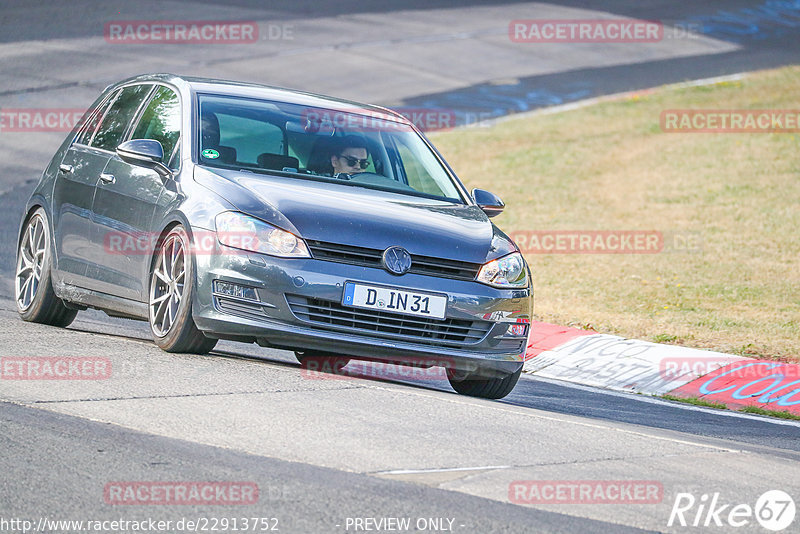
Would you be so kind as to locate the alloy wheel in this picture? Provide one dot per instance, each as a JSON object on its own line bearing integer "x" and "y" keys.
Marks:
{"x": 32, "y": 249}
{"x": 167, "y": 285}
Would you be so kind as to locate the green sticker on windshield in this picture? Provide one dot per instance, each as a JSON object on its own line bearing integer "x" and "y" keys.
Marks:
{"x": 210, "y": 153}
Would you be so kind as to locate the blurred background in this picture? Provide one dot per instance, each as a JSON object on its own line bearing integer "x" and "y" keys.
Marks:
{"x": 452, "y": 54}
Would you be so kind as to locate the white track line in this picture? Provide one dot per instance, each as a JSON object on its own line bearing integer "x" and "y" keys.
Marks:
{"x": 441, "y": 470}
{"x": 657, "y": 400}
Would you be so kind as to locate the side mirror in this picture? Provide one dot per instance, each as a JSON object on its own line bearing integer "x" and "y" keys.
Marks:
{"x": 488, "y": 202}
{"x": 147, "y": 153}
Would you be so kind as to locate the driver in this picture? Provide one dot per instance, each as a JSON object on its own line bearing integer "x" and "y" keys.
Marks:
{"x": 350, "y": 156}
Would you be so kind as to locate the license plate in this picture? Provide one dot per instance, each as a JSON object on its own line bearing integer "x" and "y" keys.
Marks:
{"x": 394, "y": 300}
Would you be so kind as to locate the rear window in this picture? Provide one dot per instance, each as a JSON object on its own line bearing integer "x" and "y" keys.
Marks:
{"x": 249, "y": 137}
{"x": 90, "y": 126}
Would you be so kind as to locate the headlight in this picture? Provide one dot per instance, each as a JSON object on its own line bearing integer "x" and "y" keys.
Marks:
{"x": 506, "y": 272}
{"x": 246, "y": 233}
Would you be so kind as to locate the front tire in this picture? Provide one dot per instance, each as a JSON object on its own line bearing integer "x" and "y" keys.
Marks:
{"x": 488, "y": 388}
{"x": 170, "y": 297}
{"x": 33, "y": 289}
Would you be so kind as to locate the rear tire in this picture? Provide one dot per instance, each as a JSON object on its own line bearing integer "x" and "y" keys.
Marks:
{"x": 33, "y": 289}
{"x": 170, "y": 297}
{"x": 486, "y": 388}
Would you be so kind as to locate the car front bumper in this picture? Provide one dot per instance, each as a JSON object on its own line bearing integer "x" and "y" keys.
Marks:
{"x": 285, "y": 289}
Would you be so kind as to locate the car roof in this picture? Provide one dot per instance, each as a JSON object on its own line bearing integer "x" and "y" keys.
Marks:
{"x": 252, "y": 90}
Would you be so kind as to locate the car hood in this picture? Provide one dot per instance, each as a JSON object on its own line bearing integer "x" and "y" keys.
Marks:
{"x": 350, "y": 215}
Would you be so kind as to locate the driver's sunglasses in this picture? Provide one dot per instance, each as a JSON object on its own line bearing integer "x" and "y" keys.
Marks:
{"x": 352, "y": 162}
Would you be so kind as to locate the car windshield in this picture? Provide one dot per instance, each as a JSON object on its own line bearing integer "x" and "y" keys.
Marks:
{"x": 359, "y": 148}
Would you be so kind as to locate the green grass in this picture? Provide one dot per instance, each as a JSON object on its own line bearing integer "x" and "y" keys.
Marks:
{"x": 696, "y": 401}
{"x": 664, "y": 338}
{"x": 773, "y": 413}
{"x": 610, "y": 167}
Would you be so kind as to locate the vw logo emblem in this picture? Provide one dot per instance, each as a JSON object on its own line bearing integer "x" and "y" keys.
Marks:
{"x": 397, "y": 260}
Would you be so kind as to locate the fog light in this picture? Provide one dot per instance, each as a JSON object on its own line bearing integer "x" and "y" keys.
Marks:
{"x": 230, "y": 289}
{"x": 518, "y": 330}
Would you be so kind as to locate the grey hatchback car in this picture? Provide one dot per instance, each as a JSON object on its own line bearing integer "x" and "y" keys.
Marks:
{"x": 222, "y": 210}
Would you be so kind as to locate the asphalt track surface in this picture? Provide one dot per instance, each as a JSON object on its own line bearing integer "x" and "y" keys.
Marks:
{"x": 325, "y": 450}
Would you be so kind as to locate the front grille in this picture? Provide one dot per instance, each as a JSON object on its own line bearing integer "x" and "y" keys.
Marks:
{"x": 249, "y": 310}
{"x": 387, "y": 324}
{"x": 371, "y": 257}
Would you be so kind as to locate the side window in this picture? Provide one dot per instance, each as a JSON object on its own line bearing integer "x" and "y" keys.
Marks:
{"x": 161, "y": 121}
{"x": 88, "y": 129}
{"x": 116, "y": 121}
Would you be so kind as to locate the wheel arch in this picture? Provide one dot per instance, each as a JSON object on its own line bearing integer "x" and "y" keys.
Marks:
{"x": 166, "y": 225}
{"x": 34, "y": 204}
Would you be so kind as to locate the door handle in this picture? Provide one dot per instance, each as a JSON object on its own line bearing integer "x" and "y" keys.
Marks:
{"x": 66, "y": 169}
{"x": 107, "y": 178}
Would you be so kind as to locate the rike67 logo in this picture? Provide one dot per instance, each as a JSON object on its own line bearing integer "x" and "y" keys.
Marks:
{"x": 774, "y": 510}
